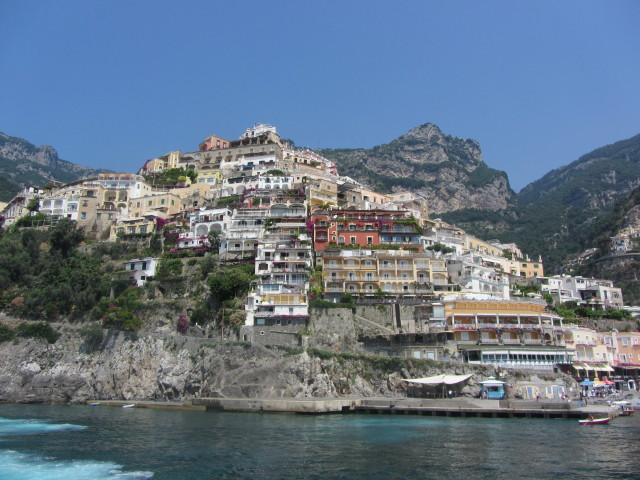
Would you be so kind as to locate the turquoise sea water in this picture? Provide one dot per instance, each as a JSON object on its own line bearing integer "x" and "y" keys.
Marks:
{"x": 96, "y": 443}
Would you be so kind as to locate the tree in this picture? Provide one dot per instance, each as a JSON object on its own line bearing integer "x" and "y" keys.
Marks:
{"x": 214, "y": 240}
{"x": 230, "y": 282}
{"x": 33, "y": 205}
{"x": 65, "y": 237}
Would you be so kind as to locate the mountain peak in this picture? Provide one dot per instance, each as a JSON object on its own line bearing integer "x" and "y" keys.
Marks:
{"x": 426, "y": 131}
{"x": 447, "y": 170}
{"x": 22, "y": 163}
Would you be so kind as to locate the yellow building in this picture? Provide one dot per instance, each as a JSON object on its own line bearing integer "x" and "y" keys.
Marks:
{"x": 474, "y": 244}
{"x": 210, "y": 177}
{"x": 132, "y": 226}
{"x": 530, "y": 269}
{"x": 374, "y": 272}
{"x": 165, "y": 203}
{"x": 321, "y": 193}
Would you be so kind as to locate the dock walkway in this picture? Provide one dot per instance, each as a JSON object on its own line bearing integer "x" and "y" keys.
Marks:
{"x": 456, "y": 407}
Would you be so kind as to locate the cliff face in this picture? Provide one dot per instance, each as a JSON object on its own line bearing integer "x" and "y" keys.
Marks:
{"x": 23, "y": 163}
{"x": 167, "y": 366}
{"x": 447, "y": 170}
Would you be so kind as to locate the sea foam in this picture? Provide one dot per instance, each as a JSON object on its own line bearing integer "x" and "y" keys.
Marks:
{"x": 21, "y": 466}
{"x": 10, "y": 426}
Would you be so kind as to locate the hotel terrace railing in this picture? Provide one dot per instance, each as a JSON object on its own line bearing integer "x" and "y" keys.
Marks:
{"x": 476, "y": 326}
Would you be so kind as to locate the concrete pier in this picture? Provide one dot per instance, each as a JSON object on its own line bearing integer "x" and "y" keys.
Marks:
{"x": 464, "y": 407}
{"x": 288, "y": 405}
{"x": 456, "y": 407}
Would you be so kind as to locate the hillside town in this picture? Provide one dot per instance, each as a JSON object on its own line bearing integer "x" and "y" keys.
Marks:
{"x": 423, "y": 288}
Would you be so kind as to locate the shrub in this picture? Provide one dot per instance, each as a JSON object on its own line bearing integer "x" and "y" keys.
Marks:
{"x": 93, "y": 337}
{"x": 208, "y": 264}
{"x": 37, "y": 330}
{"x": 169, "y": 268}
{"x": 230, "y": 282}
{"x": 6, "y": 333}
{"x": 121, "y": 314}
{"x": 183, "y": 324}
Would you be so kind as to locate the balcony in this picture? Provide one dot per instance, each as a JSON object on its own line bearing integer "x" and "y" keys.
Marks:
{"x": 488, "y": 325}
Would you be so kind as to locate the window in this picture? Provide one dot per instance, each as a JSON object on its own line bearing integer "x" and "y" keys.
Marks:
{"x": 369, "y": 240}
{"x": 353, "y": 240}
{"x": 132, "y": 266}
{"x": 83, "y": 215}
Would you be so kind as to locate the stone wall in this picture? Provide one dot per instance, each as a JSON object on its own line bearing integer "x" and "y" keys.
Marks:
{"x": 277, "y": 335}
{"x": 332, "y": 328}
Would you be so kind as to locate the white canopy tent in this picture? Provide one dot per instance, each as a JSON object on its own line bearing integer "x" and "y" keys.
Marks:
{"x": 439, "y": 380}
{"x": 438, "y": 386}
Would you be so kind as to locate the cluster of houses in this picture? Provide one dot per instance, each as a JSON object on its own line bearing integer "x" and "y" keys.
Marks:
{"x": 314, "y": 234}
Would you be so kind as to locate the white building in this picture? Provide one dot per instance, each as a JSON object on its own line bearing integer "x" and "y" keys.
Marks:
{"x": 141, "y": 269}
{"x": 477, "y": 280}
{"x": 207, "y": 220}
{"x": 275, "y": 182}
{"x": 592, "y": 292}
{"x": 259, "y": 129}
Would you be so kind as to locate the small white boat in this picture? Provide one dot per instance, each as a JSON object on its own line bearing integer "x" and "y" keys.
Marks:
{"x": 130, "y": 405}
{"x": 594, "y": 421}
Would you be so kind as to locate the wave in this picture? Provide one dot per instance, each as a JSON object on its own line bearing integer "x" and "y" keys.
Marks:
{"x": 21, "y": 466}
{"x": 11, "y": 426}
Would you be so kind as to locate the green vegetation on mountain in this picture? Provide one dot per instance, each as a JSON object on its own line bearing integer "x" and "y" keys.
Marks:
{"x": 22, "y": 163}
{"x": 565, "y": 211}
{"x": 44, "y": 276}
{"x": 171, "y": 177}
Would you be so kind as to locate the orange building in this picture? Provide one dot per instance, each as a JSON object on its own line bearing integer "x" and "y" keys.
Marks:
{"x": 628, "y": 349}
{"x": 365, "y": 228}
{"x": 213, "y": 142}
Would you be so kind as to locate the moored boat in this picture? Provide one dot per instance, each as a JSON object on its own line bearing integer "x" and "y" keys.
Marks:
{"x": 131, "y": 405}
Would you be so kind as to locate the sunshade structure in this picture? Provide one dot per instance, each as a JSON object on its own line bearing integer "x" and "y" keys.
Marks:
{"x": 595, "y": 367}
{"x": 439, "y": 380}
{"x": 439, "y": 386}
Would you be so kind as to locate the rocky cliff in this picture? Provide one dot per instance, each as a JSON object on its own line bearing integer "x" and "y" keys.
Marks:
{"x": 447, "y": 170}
{"x": 23, "y": 163}
{"x": 167, "y": 366}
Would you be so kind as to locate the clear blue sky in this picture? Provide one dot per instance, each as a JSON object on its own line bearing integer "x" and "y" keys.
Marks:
{"x": 112, "y": 83}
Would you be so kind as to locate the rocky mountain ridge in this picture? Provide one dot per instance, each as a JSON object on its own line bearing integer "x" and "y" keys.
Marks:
{"x": 448, "y": 171}
{"x": 22, "y": 163}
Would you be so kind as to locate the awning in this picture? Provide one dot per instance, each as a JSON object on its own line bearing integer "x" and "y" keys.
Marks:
{"x": 439, "y": 380}
{"x": 602, "y": 367}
